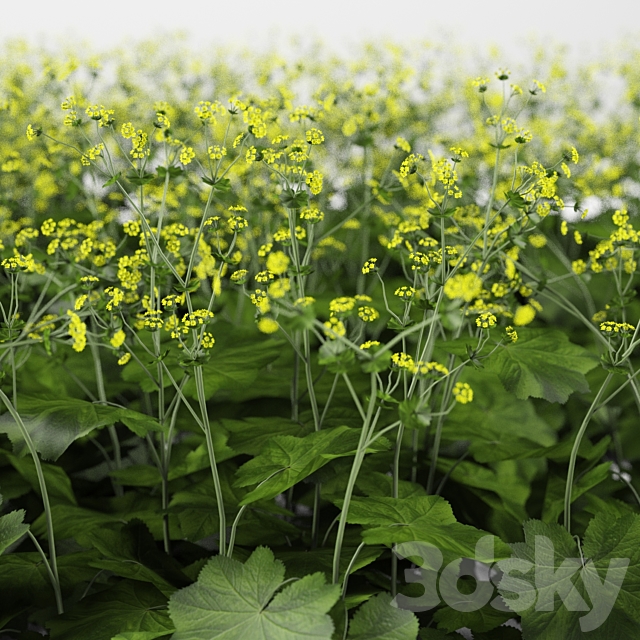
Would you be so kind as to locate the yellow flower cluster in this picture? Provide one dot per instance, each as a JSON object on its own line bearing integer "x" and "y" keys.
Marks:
{"x": 78, "y": 331}
{"x": 616, "y": 327}
{"x": 405, "y": 292}
{"x": 315, "y": 136}
{"x": 334, "y": 328}
{"x": 486, "y": 320}
{"x": 422, "y": 368}
{"x": 402, "y": 360}
{"x": 312, "y": 215}
{"x": 466, "y": 286}
{"x": 370, "y": 265}
{"x": 368, "y": 314}
{"x": 462, "y": 392}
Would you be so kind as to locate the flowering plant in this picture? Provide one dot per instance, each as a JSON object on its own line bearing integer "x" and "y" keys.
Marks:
{"x": 249, "y": 341}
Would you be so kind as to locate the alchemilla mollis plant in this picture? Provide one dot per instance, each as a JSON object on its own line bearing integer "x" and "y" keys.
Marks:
{"x": 357, "y": 364}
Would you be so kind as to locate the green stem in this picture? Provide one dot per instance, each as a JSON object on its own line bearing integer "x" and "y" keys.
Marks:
{"x": 55, "y": 579}
{"x": 574, "y": 454}
{"x": 396, "y": 482}
{"x": 212, "y": 457}
{"x": 102, "y": 396}
{"x": 355, "y": 469}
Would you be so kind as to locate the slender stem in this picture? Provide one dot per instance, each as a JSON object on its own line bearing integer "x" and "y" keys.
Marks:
{"x": 212, "y": 457}
{"x": 574, "y": 453}
{"x": 355, "y": 469}
{"x": 234, "y": 526}
{"x": 45, "y": 498}
{"x": 396, "y": 482}
{"x": 351, "y": 563}
{"x": 102, "y": 395}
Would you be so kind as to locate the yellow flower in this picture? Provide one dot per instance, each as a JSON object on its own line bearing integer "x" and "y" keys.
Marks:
{"x": 278, "y": 262}
{"x": 268, "y": 325}
{"x": 118, "y": 339}
{"x": 187, "y": 155}
{"x": 370, "y": 265}
{"x": 334, "y": 328}
{"x": 512, "y": 334}
{"x": 124, "y": 359}
{"x": 368, "y": 314}
{"x": 315, "y": 136}
{"x": 486, "y": 320}
{"x": 79, "y": 303}
{"x": 462, "y": 392}
{"x": 524, "y": 315}
{"x": 466, "y": 286}
{"x": 77, "y": 331}
{"x": 405, "y": 292}
{"x": 537, "y": 240}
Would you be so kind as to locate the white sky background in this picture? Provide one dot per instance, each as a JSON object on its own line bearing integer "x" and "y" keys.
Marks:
{"x": 583, "y": 25}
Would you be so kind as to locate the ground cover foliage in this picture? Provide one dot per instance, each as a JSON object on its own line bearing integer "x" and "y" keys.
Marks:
{"x": 262, "y": 321}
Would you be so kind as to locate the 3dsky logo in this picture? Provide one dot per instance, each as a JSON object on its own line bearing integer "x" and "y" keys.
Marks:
{"x": 523, "y": 583}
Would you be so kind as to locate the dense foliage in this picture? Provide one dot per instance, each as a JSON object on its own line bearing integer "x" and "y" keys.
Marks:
{"x": 262, "y": 321}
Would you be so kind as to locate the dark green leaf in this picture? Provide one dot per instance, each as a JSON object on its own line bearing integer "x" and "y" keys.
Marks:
{"x": 12, "y": 528}
{"x": 129, "y": 551}
{"x": 377, "y": 619}
{"x": 127, "y": 607}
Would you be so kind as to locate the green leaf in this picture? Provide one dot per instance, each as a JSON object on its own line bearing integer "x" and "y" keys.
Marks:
{"x": 70, "y": 520}
{"x": 137, "y": 475}
{"x": 222, "y": 184}
{"x": 54, "y": 424}
{"x": 411, "y": 416}
{"x": 57, "y": 481}
{"x": 509, "y": 479}
{"x": 497, "y": 425}
{"x": 516, "y": 200}
{"x": 554, "y": 496}
{"x": 542, "y": 364}
{"x": 378, "y": 619}
{"x": 11, "y": 528}
{"x": 236, "y": 367}
{"x": 173, "y": 172}
{"x": 294, "y": 199}
{"x": 25, "y": 583}
{"x": 238, "y": 601}
{"x": 127, "y": 607}
{"x": 484, "y": 619}
{"x": 286, "y": 460}
{"x": 251, "y": 434}
{"x": 112, "y": 180}
{"x": 598, "y": 595}
{"x": 140, "y": 180}
{"x": 129, "y": 551}
{"x": 301, "y": 563}
{"x": 419, "y": 518}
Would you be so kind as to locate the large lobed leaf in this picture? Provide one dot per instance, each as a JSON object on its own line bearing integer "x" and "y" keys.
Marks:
{"x": 542, "y": 364}
{"x": 238, "y": 601}
{"x": 599, "y": 594}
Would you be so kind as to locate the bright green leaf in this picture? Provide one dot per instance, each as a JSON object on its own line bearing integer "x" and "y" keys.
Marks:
{"x": 238, "y": 601}
{"x": 419, "y": 518}
{"x": 287, "y": 460}
{"x": 542, "y": 364}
